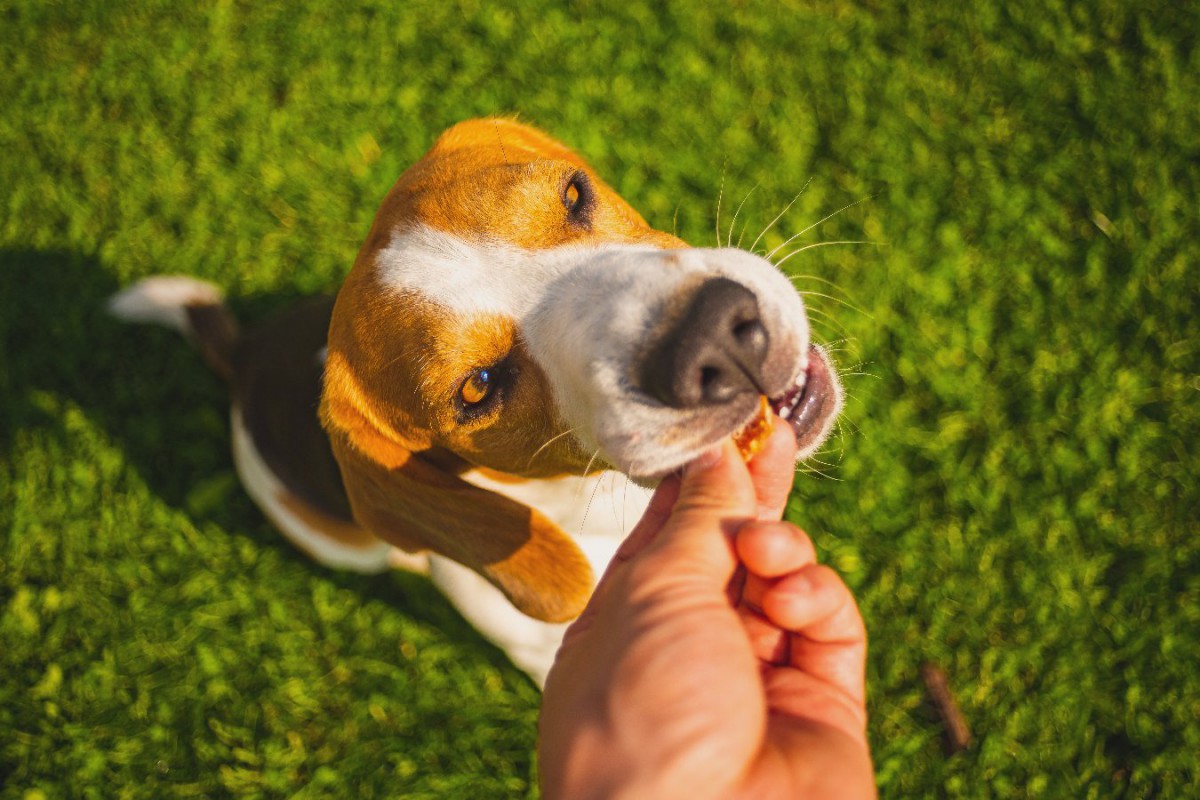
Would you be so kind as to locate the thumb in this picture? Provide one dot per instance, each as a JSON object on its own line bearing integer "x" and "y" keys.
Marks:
{"x": 716, "y": 497}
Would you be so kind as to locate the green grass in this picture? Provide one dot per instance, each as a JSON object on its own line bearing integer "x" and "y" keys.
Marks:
{"x": 1014, "y": 497}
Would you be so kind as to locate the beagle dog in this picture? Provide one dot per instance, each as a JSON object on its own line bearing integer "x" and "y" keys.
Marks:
{"x": 513, "y": 357}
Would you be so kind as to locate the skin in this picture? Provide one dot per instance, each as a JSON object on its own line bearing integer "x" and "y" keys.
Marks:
{"x": 716, "y": 658}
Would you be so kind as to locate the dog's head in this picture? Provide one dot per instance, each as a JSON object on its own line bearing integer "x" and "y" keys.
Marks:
{"x": 510, "y": 312}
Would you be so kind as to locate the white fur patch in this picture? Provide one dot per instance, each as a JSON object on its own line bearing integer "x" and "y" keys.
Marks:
{"x": 471, "y": 278}
{"x": 603, "y": 504}
{"x": 597, "y": 511}
{"x": 266, "y": 490}
{"x": 162, "y": 300}
{"x": 585, "y": 312}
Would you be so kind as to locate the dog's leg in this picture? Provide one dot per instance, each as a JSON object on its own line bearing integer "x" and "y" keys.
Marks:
{"x": 531, "y": 645}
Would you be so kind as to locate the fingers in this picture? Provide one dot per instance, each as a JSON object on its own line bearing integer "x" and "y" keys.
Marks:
{"x": 716, "y": 496}
{"x": 768, "y": 551}
{"x": 797, "y": 612}
{"x": 770, "y": 645}
{"x": 773, "y": 549}
{"x": 773, "y": 471}
{"x": 717, "y": 493}
{"x": 717, "y": 482}
{"x": 814, "y": 602}
{"x": 715, "y": 485}
{"x": 810, "y": 623}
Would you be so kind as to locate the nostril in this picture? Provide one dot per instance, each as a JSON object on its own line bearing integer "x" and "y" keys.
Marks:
{"x": 718, "y": 384}
{"x": 715, "y": 350}
{"x": 751, "y": 335}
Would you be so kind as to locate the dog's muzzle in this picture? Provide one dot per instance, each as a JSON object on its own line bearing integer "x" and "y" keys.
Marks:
{"x": 716, "y": 351}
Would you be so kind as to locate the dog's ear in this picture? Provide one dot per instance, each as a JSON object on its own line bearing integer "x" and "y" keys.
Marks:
{"x": 409, "y": 500}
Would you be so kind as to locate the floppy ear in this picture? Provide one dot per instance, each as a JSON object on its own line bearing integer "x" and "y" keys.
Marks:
{"x": 411, "y": 502}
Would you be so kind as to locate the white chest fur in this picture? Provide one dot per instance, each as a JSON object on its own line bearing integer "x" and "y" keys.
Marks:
{"x": 596, "y": 511}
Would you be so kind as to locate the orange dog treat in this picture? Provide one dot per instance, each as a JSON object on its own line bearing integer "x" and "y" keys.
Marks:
{"x": 754, "y": 434}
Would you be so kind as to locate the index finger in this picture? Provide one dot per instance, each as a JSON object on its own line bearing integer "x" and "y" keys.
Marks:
{"x": 773, "y": 471}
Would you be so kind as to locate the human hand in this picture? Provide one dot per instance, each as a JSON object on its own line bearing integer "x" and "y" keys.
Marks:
{"x": 716, "y": 658}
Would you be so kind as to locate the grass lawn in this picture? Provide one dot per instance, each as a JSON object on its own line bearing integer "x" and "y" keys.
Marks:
{"x": 1014, "y": 496}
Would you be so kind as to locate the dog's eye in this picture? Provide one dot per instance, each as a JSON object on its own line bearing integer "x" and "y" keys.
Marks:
{"x": 477, "y": 387}
{"x": 571, "y": 196}
{"x": 577, "y": 197}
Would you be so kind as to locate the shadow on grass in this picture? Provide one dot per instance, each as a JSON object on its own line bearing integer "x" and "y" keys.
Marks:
{"x": 152, "y": 394}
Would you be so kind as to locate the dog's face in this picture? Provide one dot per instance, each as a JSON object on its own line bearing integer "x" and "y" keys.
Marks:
{"x": 430, "y": 321}
{"x": 509, "y": 311}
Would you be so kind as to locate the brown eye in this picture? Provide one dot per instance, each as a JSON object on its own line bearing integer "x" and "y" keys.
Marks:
{"x": 477, "y": 387}
{"x": 571, "y": 196}
{"x": 578, "y": 198}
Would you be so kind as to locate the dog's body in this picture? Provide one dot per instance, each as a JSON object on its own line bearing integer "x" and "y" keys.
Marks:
{"x": 512, "y": 340}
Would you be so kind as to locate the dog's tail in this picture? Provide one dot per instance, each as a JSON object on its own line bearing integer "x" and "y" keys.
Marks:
{"x": 194, "y": 308}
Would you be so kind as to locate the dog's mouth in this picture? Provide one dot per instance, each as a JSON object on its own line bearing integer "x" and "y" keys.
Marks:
{"x": 811, "y": 403}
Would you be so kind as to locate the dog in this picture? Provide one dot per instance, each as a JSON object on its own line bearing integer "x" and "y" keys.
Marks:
{"x": 511, "y": 338}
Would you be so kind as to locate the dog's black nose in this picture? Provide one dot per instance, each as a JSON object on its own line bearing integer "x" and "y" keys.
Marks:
{"x": 714, "y": 352}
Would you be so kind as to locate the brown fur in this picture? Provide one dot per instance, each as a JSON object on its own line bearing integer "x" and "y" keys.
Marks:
{"x": 396, "y": 363}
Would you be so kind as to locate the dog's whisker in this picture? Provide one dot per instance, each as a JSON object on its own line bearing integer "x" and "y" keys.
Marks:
{"x": 839, "y": 345}
{"x": 844, "y": 424}
{"x": 779, "y": 264}
{"x": 814, "y": 471}
{"x": 840, "y": 432}
{"x": 617, "y": 516}
{"x": 793, "y": 238}
{"x": 738, "y": 210}
{"x": 819, "y": 457}
{"x": 831, "y": 284}
{"x": 858, "y": 367}
{"x": 742, "y": 235}
{"x": 861, "y": 371}
{"x": 836, "y": 351}
{"x": 779, "y": 216}
{"x": 823, "y": 322}
{"x": 787, "y": 256}
{"x": 826, "y": 318}
{"x": 624, "y": 503}
{"x": 720, "y": 196}
{"x": 549, "y": 442}
{"x": 623, "y": 516}
{"x": 588, "y": 508}
{"x": 591, "y": 461}
{"x": 839, "y": 301}
{"x": 839, "y": 446}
